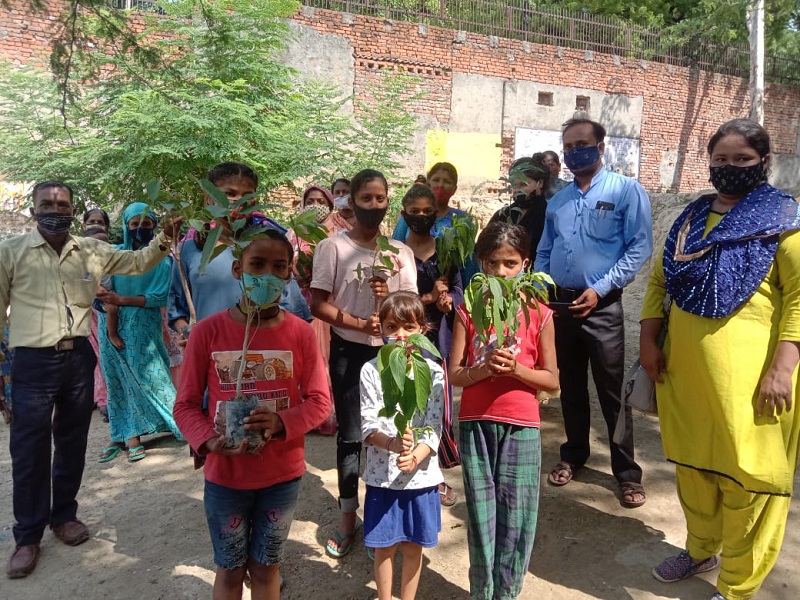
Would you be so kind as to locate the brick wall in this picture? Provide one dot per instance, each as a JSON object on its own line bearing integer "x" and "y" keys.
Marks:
{"x": 681, "y": 110}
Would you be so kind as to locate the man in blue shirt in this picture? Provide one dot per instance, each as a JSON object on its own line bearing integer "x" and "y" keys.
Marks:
{"x": 597, "y": 235}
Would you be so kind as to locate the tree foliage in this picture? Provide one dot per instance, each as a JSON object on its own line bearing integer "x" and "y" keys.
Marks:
{"x": 169, "y": 95}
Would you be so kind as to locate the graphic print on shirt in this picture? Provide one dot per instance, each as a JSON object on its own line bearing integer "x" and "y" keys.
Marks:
{"x": 258, "y": 366}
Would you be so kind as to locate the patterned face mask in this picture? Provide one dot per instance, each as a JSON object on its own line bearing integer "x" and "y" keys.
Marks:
{"x": 737, "y": 181}
{"x": 320, "y": 211}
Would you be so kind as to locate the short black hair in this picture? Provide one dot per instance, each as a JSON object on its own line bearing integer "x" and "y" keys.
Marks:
{"x": 502, "y": 233}
{"x": 753, "y": 133}
{"x": 343, "y": 180}
{"x": 447, "y": 167}
{"x": 552, "y": 154}
{"x": 532, "y": 167}
{"x": 418, "y": 191}
{"x": 45, "y": 185}
{"x": 103, "y": 214}
{"x": 363, "y": 177}
{"x": 599, "y": 130}
{"x": 231, "y": 169}
{"x": 271, "y": 234}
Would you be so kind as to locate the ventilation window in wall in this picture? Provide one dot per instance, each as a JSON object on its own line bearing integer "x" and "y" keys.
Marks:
{"x": 545, "y": 98}
{"x": 582, "y": 103}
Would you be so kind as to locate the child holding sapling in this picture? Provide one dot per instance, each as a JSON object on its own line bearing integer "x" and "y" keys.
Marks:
{"x": 352, "y": 273}
{"x": 503, "y": 353}
{"x": 253, "y": 351}
{"x": 401, "y": 509}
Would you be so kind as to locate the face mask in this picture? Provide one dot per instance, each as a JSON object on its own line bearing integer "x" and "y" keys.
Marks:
{"x": 143, "y": 235}
{"x": 583, "y": 156}
{"x": 263, "y": 290}
{"x": 736, "y": 181}
{"x": 420, "y": 224}
{"x": 54, "y": 222}
{"x": 369, "y": 217}
{"x": 341, "y": 202}
{"x": 389, "y": 339}
{"x": 321, "y": 211}
{"x": 442, "y": 194}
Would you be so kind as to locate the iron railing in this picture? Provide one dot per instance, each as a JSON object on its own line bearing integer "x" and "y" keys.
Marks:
{"x": 519, "y": 19}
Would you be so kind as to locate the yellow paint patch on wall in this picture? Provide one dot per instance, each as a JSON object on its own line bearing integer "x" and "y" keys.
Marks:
{"x": 475, "y": 155}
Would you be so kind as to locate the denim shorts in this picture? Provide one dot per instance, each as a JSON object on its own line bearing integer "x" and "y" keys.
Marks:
{"x": 249, "y": 524}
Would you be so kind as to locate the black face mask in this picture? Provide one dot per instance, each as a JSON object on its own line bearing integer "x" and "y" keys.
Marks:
{"x": 54, "y": 223}
{"x": 369, "y": 217}
{"x": 421, "y": 224}
{"x": 737, "y": 181}
{"x": 143, "y": 235}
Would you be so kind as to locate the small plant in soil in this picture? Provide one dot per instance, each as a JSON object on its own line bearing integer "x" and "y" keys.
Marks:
{"x": 496, "y": 304}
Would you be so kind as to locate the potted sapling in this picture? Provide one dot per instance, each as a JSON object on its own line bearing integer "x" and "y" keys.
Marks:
{"x": 456, "y": 244}
{"x": 497, "y": 305}
{"x": 406, "y": 380}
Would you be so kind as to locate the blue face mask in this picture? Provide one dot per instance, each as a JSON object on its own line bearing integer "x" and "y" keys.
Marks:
{"x": 263, "y": 290}
{"x": 580, "y": 157}
{"x": 143, "y": 235}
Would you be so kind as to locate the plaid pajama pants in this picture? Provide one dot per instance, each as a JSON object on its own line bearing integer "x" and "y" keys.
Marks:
{"x": 500, "y": 464}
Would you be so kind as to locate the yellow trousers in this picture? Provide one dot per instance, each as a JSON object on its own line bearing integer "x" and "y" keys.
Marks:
{"x": 748, "y": 528}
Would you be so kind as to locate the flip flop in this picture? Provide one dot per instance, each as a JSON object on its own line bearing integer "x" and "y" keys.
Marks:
{"x": 109, "y": 454}
{"x": 344, "y": 542}
{"x": 556, "y": 473}
{"x": 136, "y": 453}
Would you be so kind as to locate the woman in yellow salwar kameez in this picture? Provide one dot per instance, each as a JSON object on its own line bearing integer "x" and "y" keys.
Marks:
{"x": 727, "y": 376}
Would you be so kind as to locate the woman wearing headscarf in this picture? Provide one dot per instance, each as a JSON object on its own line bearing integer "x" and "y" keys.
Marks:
{"x": 727, "y": 375}
{"x": 140, "y": 389}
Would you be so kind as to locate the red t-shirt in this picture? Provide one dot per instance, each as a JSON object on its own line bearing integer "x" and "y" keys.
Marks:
{"x": 504, "y": 399}
{"x": 283, "y": 365}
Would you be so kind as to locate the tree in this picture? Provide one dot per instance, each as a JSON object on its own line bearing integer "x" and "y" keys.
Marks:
{"x": 204, "y": 84}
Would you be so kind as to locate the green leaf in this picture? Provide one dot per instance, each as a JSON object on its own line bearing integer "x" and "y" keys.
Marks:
{"x": 383, "y": 356}
{"x": 498, "y": 302}
{"x": 216, "y": 194}
{"x": 420, "y": 341}
{"x": 400, "y": 422}
{"x": 397, "y": 366}
{"x": 422, "y": 381}
{"x": 218, "y": 212}
{"x": 208, "y": 248}
{"x": 153, "y": 187}
{"x": 383, "y": 244}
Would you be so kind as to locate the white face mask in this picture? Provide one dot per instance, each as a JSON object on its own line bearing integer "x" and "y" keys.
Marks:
{"x": 341, "y": 202}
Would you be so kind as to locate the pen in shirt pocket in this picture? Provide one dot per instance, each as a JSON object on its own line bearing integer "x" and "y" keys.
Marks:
{"x": 86, "y": 276}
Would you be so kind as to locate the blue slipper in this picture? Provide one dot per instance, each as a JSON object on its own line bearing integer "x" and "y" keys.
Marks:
{"x": 344, "y": 543}
{"x": 109, "y": 454}
{"x": 136, "y": 453}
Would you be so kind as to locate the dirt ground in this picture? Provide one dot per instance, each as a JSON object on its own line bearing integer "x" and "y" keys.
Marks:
{"x": 149, "y": 536}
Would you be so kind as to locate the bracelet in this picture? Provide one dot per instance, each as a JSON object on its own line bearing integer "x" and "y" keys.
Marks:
{"x": 388, "y": 444}
{"x": 469, "y": 376}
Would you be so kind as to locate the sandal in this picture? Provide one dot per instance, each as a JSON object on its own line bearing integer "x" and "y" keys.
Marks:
{"x": 136, "y": 453}
{"x": 631, "y": 489}
{"x": 344, "y": 541}
{"x": 109, "y": 454}
{"x": 561, "y": 474}
{"x": 447, "y": 495}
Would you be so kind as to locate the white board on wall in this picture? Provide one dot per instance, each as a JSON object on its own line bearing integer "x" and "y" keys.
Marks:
{"x": 621, "y": 153}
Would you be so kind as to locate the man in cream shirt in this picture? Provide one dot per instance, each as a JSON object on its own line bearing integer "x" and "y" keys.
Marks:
{"x": 49, "y": 279}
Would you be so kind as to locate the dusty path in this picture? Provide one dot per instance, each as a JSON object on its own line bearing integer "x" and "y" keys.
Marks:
{"x": 149, "y": 538}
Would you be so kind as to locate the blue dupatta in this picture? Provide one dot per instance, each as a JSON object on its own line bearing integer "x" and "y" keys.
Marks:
{"x": 713, "y": 276}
